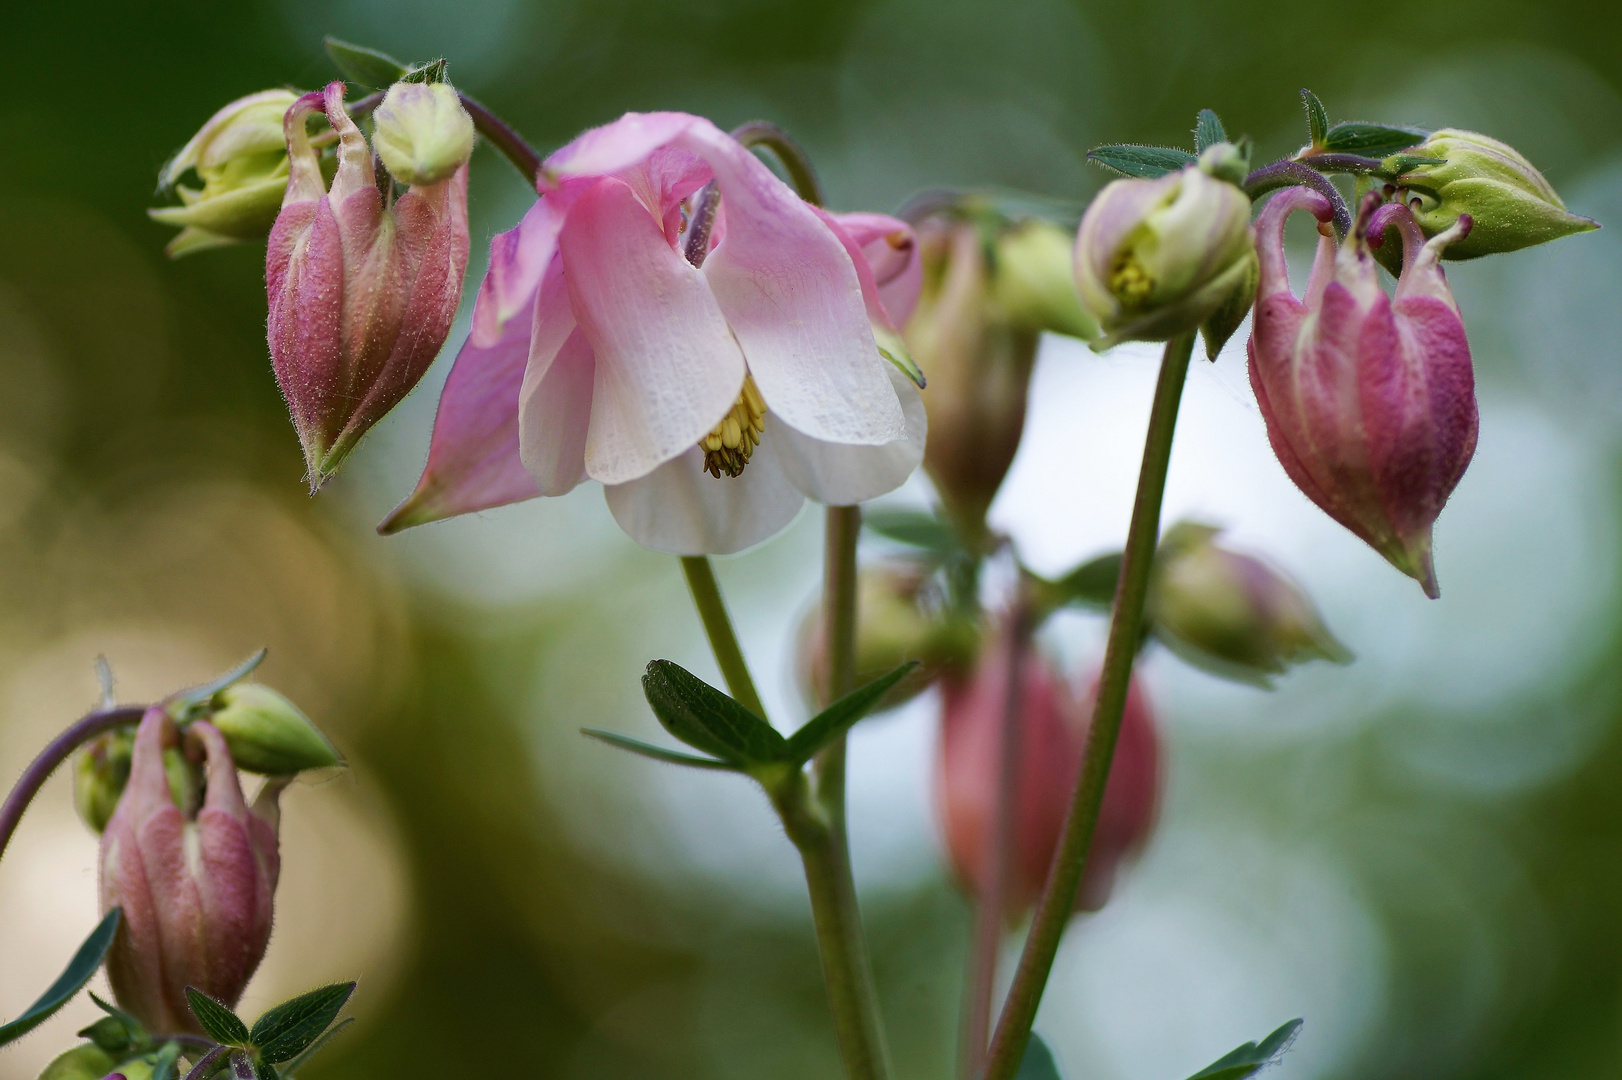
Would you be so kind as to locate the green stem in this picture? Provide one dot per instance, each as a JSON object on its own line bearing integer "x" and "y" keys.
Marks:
{"x": 1125, "y": 633}
{"x": 795, "y": 160}
{"x": 40, "y": 769}
{"x": 505, "y": 138}
{"x": 712, "y": 610}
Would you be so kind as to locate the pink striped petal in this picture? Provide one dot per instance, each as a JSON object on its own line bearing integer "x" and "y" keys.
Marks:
{"x": 555, "y": 413}
{"x": 891, "y": 250}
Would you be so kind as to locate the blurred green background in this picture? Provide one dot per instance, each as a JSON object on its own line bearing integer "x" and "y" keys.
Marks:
{"x": 1421, "y": 854}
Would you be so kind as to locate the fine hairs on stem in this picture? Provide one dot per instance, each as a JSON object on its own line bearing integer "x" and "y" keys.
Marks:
{"x": 1126, "y": 627}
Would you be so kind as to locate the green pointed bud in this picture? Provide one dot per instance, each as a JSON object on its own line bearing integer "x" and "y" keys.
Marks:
{"x": 87, "y": 1062}
{"x": 240, "y": 156}
{"x": 1033, "y": 281}
{"x": 1232, "y": 614}
{"x": 100, "y": 771}
{"x": 1228, "y": 317}
{"x": 185, "y": 780}
{"x": 1512, "y": 205}
{"x": 267, "y": 734}
{"x": 1225, "y": 161}
{"x": 422, "y": 133}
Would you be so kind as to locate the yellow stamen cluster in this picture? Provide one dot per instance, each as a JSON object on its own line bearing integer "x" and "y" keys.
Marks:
{"x": 1129, "y": 281}
{"x": 728, "y": 446}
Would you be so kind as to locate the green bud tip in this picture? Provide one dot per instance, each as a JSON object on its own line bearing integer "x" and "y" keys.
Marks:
{"x": 267, "y": 733}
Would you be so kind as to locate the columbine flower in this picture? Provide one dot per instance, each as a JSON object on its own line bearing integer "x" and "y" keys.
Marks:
{"x": 1054, "y": 730}
{"x": 1369, "y": 402}
{"x": 241, "y": 158}
{"x": 1232, "y": 613}
{"x": 196, "y": 886}
{"x": 362, "y": 293}
{"x": 709, "y": 400}
{"x": 1157, "y": 258}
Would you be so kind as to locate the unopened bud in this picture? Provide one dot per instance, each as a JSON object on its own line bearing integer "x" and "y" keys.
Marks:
{"x": 267, "y": 733}
{"x": 87, "y": 1062}
{"x": 895, "y": 626}
{"x": 240, "y": 155}
{"x": 1034, "y": 283}
{"x": 1232, "y": 613}
{"x": 1157, "y": 258}
{"x": 1510, "y": 203}
{"x": 422, "y": 133}
{"x": 100, "y": 771}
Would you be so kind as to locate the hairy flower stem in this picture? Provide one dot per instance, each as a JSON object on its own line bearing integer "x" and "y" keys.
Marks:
{"x": 504, "y": 138}
{"x": 1290, "y": 173}
{"x": 1125, "y": 635}
{"x": 40, "y": 769}
{"x": 991, "y": 909}
{"x": 712, "y": 610}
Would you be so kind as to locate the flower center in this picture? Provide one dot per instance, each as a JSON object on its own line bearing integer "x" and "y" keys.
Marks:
{"x": 1129, "y": 281}
{"x": 728, "y": 446}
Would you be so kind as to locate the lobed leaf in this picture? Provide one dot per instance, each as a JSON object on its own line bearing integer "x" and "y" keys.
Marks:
{"x": 220, "y": 1023}
{"x": 838, "y": 718}
{"x": 1317, "y": 118}
{"x": 1251, "y": 1058}
{"x": 83, "y": 965}
{"x": 1208, "y": 131}
{"x": 706, "y": 719}
{"x": 287, "y": 1030}
{"x": 1141, "y": 161}
{"x": 1370, "y": 140}
{"x": 165, "y": 1065}
{"x": 657, "y": 753}
{"x": 368, "y": 67}
{"x": 303, "y": 1059}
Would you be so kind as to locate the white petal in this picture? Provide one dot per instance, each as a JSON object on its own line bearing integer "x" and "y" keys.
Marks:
{"x": 838, "y": 474}
{"x": 554, "y": 414}
{"x": 681, "y": 509}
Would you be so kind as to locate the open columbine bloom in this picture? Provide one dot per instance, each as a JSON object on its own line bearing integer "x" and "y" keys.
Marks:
{"x": 1369, "y": 400}
{"x": 709, "y": 399}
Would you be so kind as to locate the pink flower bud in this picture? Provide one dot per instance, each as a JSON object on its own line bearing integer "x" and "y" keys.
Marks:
{"x": 1051, "y": 741}
{"x": 196, "y": 891}
{"x": 1369, "y": 400}
{"x": 362, "y": 292}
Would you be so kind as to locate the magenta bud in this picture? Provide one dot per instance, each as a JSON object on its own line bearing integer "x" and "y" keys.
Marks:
{"x": 1369, "y": 400}
{"x": 363, "y": 286}
{"x": 196, "y": 890}
{"x": 1053, "y": 733}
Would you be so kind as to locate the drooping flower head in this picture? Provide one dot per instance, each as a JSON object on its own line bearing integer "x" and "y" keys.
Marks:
{"x": 710, "y": 363}
{"x": 1369, "y": 400}
{"x": 362, "y": 287}
{"x": 196, "y": 884}
{"x": 1053, "y": 734}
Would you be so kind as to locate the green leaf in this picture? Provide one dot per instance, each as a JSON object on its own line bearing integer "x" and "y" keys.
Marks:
{"x": 1038, "y": 1063}
{"x": 1317, "y": 117}
{"x": 183, "y": 704}
{"x": 837, "y": 718}
{"x": 657, "y": 753}
{"x": 111, "y": 1034}
{"x": 164, "y": 1066}
{"x": 1208, "y": 130}
{"x": 78, "y": 972}
{"x": 368, "y": 67}
{"x": 285, "y": 1031}
{"x": 1370, "y": 140}
{"x": 706, "y": 719}
{"x": 915, "y": 528}
{"x": 1251, "y": 1058}
{"x": 303, "y": 1059}
{"x": 220, "y": 1023}
{"x": 1092, "y": 584}
{"x": 431, "y": 72}
{"x": 1141, "y": 161}
{"x": 266, "y": 1071}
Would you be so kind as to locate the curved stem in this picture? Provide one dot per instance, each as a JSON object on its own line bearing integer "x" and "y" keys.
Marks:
{"x": 794, "y": 159}
{"x": 40, "y": 769}
{"x": 712, "y": 610}
{"x": 1125, "y": 632}
{"x": 990, "y": 912}
{"x": 525, "y": 158}
{"x": 1288, "y": 173}
{"x": 1356, "y": 164}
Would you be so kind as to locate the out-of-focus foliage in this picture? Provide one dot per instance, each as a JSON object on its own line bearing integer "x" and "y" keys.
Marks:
{"x": 1422, "y": 856}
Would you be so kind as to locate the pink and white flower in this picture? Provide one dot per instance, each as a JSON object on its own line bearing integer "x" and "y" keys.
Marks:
{"x": 599, "y": 351}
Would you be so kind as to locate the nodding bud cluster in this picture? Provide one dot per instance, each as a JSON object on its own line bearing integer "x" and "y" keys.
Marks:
{"x": 363, "y": 286}
{"x": 1369, "y": 400}
{"x": 989, "y": 291}
{"x": 897, "y": 625}
{"x": 241, "y": 158}
{"x": 1232, "y": 613}
{"x": 1053, "y": 730}
{"x": 1509, "y": 202}
{"x": 1162, "y": 257}
{"x": 196, "y": 885}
